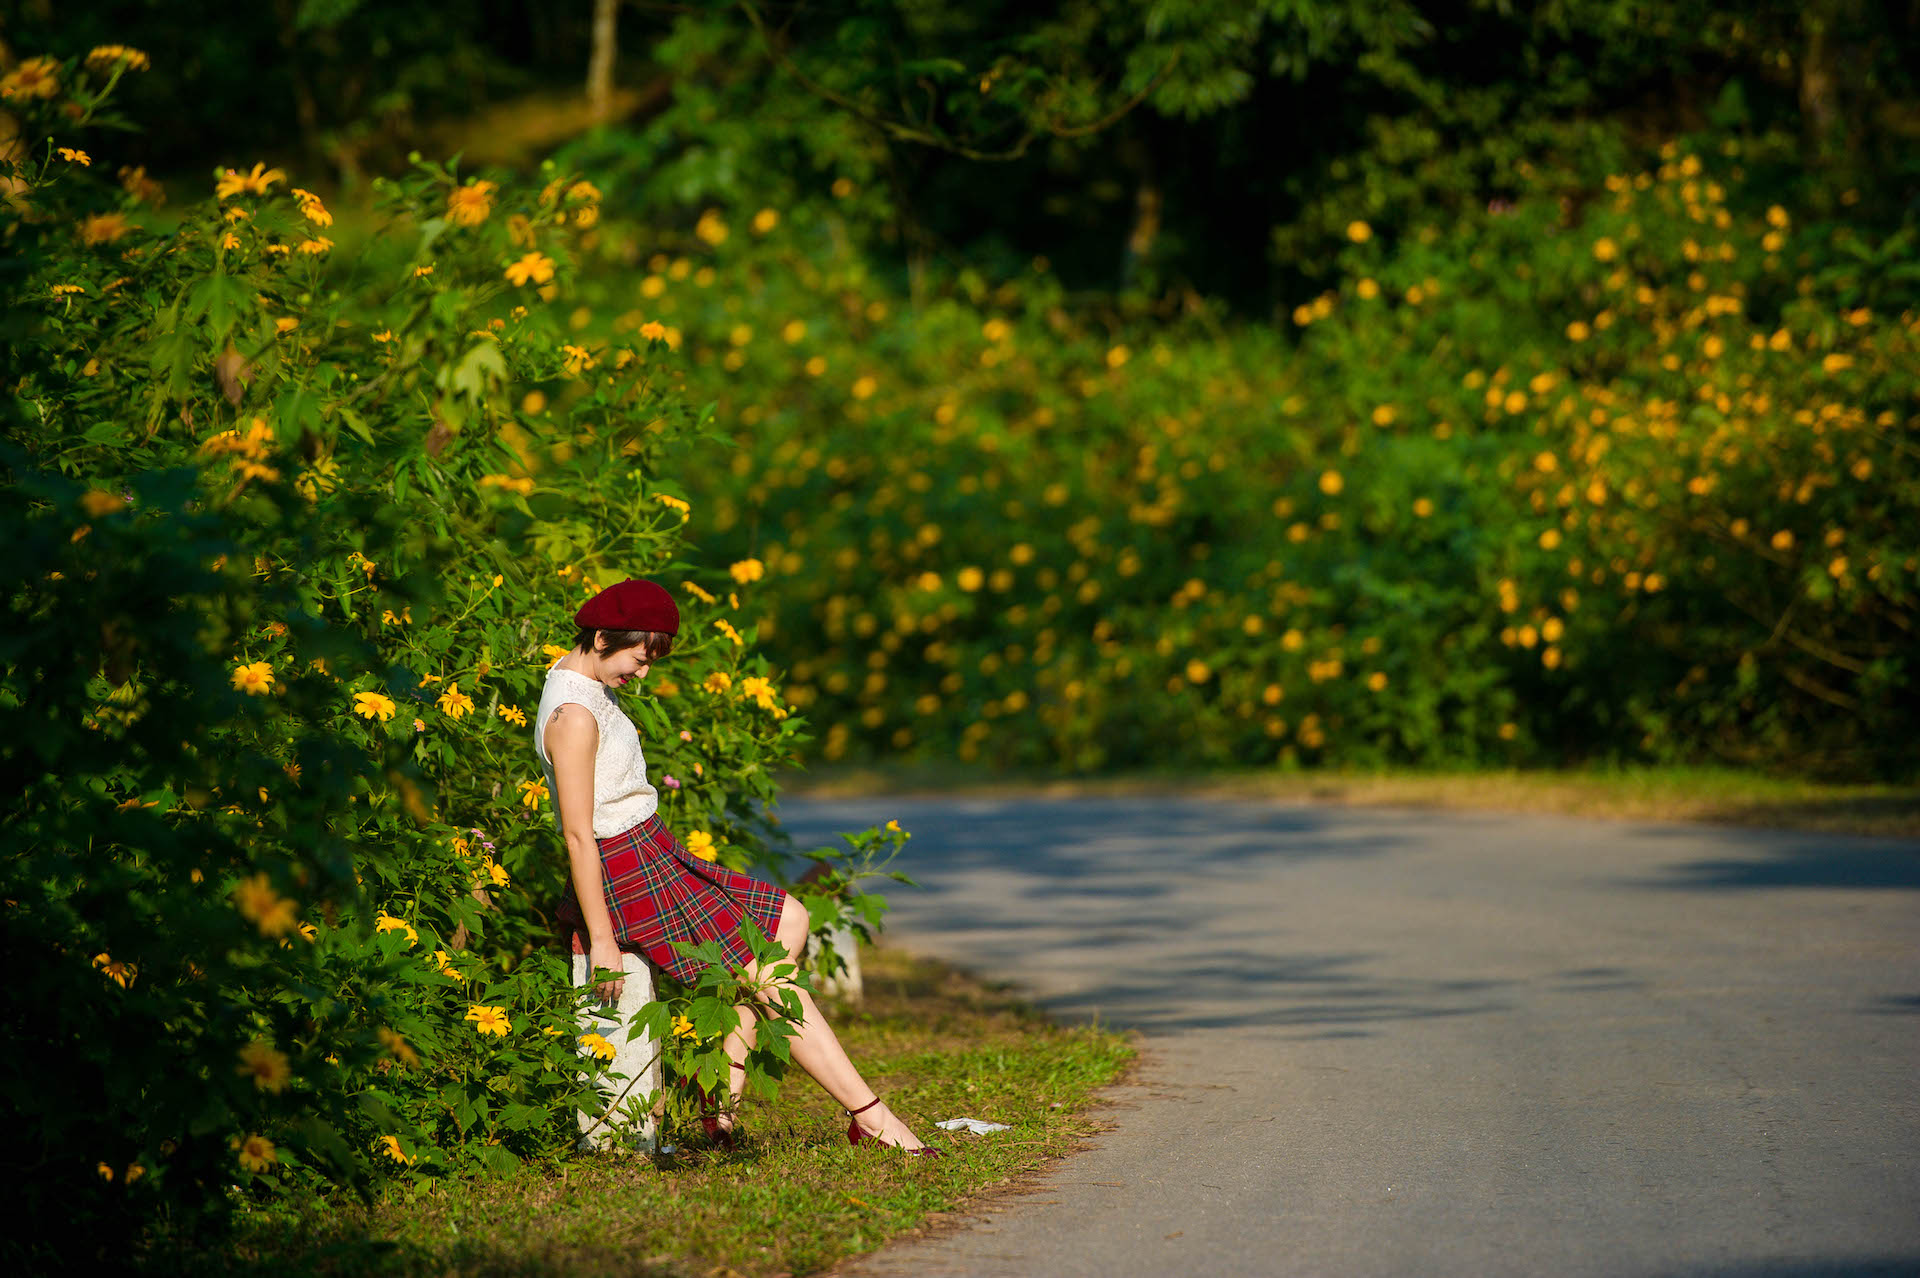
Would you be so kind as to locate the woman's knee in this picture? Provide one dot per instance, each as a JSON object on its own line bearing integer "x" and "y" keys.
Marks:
{"x": 793, "y": 927}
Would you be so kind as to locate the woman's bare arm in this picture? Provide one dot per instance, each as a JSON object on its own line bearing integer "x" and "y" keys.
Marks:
{"x": 572, "y": 739}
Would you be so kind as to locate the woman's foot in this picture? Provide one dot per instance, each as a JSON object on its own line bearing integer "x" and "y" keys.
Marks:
{"x": 877, "y": 1123}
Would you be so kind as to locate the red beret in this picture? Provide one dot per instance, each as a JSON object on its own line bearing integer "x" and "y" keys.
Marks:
{"x": 632, "y": 605}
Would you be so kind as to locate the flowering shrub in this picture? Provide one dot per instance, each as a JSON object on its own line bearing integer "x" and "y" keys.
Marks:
{"x": 1622, "y": 468}
{"x": 296, "y": 521}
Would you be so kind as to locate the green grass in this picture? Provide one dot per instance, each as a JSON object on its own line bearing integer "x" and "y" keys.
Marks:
{"x": 794, "y": 1199}
{"x": 1723, "y": 795}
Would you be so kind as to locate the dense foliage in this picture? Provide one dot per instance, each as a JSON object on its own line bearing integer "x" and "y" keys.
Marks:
{"x": 1624, "y": 468}
{"x": 294, "y": 528}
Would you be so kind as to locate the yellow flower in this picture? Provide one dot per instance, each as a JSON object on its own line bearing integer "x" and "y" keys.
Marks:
{"x": 532, "y": 793}
{"x": 725, "y": 627}
{"x": 596, "y": 1045}
{"x": 698, "y": 593}
{"x": 315, "y": 247}
{"x": 683, "y": 1028}
{"x": 536, "y": 268}
{"x": 700, "y": 843}
{"x": 72, "y": 156}
{"x": 514, "y": 715}
{"x": 577, "y": 360}
{"x": 765, "y": 220}
{"x": 121, "y": 974}
{"x": 760, "y": 689}
{"x": 1783, "y": 540}
{"x": 385, "y": 922}
{"x": 1578, "y": 331}
{"x": 554, "y": 651}
{"x": 717, "y": 682}
{"x": 259, "y": 182}
{"x": 498, "y": 873}
{"x": 1377, "y": 680}
{"x": 390, "y": 1146}
{"x": 103, "y": 228}
{"x": 266, "y": 1064}
{"x": 653, "y": 331}
{"x": 398, "y": 1047}
{"x": 1605, "y": 250}
{"x": 67, "y": 290}
{"x": 1331, "y": 483}
{"x": 455, "y": 703}
{"x": 1422, "y": 507}
{"x": 312, "y": 209}
{"x": 372, "y": 705}
{"x": 107, "y": 56}
{"x": 471, "y": 204}
{"x": 253, "y": 679}
{"x": 256, "y": 1152}
{"x": 34, "y": 78}
{"x": 1359, "y": 232}
{"x": 273, "y": 914}
{"x": 676, "y": 503}
{"x": 489, "y": 1020}
{"x": 748, "y": 570}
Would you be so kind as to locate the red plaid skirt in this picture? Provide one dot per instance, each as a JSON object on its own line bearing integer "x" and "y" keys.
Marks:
{"x": 658, "y": 893}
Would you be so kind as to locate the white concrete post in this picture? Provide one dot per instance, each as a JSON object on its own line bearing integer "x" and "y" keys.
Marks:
{"x": 847, "y": 984}
{"x": 629, "y": 1124}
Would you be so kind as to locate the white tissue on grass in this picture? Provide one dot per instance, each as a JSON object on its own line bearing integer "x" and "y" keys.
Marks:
{"x": 977, "y": 1126}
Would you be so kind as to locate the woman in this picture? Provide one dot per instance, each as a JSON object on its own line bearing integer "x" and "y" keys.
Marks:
{"x": 635, "y": 889}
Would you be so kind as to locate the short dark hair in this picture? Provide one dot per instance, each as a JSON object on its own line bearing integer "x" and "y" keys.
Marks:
{"x": 654, "y": 645}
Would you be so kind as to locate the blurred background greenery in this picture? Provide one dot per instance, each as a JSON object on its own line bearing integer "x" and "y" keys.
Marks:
{"x": 1208, "y": 382}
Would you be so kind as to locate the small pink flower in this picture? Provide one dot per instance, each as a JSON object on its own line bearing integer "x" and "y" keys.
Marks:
{"x": 670, "y": 781}
{"x": 685, "y": 735}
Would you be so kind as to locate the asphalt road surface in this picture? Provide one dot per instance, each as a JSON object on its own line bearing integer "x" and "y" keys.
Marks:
{"x": 1399, "y": 1042}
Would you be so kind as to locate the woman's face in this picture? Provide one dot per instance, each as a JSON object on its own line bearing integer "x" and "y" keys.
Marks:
{"x": 629, "y": 665}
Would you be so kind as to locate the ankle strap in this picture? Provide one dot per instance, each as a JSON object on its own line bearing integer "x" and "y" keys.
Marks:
{"x": 864, "y": 1108}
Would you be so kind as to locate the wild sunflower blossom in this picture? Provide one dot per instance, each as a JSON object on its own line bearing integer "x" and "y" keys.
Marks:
{"x": 454, "y": 703}
{"x": 717, "y": 682}
{"x": 390, "y": 1146}
{"x": 700, "y": 843}
{"x": 34, "y": 78}
{"x": 266, "y": 1065}
{"x": 106, "y": 57}
{"x": 489, "y": 1020}
{"x": 253, "y": 678}
{"x": 256, "y": 1153}
{"x": 232, "y": 182}
{"x": 470, "y": 205}
{"x": 532, "y": 268}
{"x": 372, "y": 705}
{"x": 398, "y": 1047}
{"x": 748, "y": 570}
{"x": 311, "y": 208}
{"x": 385, "y": 922}
{"x": 532, "y": 793}
{"x": 273, "y": 914}
{"x": 596, "y": 1045}
{"x": 514, "y": 715}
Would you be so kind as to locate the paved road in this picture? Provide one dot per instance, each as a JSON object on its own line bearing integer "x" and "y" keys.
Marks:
{"x": 1392, "y": 1042}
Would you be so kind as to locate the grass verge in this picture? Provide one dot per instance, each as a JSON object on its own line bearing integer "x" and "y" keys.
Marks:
{"x": 794, "y": 1198}
{"x": 1721, "y": 795}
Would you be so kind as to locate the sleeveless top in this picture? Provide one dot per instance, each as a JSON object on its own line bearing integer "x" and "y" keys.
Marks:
{"x": 622, "y": 798}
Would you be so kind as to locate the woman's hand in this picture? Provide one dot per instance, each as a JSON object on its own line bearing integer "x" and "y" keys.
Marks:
{"x": 608, "y": 955}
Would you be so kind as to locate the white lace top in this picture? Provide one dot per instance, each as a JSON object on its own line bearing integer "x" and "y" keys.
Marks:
{"x": 622, "y": 798}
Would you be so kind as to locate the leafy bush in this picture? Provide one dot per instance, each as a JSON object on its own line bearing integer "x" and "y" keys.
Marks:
{"x": 295, "y": 525}
{"x": 1612, "y": 471}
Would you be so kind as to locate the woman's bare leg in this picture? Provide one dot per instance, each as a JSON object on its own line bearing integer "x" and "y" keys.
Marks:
{"x": 816, "y": 1049}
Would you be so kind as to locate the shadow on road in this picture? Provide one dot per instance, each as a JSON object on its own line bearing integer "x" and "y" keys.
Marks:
{"x": 1191, "y": 944}
{"x": 1805, "y": 860}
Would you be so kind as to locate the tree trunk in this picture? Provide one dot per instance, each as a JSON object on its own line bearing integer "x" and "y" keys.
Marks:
{"x": 600, "y": 61}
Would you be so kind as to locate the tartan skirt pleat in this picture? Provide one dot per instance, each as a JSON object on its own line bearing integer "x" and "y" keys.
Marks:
{"x": 658, "y": 893}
